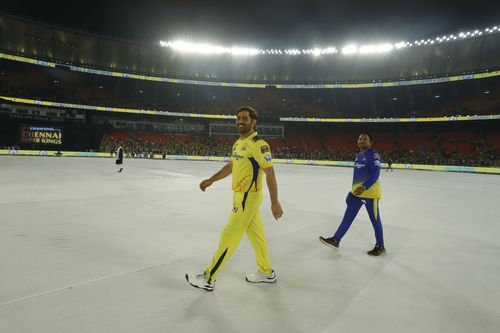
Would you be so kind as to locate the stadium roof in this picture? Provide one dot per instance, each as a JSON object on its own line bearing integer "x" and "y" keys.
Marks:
{"x": 271, "y": 23}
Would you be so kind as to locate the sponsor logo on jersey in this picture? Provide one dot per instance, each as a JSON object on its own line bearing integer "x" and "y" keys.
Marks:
{"x": 237, "y": 156}
{"x": 264, "y": 149}
{"x": 268, "y": 158}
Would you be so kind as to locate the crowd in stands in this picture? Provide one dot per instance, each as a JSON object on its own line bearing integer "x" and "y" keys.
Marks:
{"x": 452, "y": 98}
{"x": 136, "y": 145}
{"x": 62, "y": 85}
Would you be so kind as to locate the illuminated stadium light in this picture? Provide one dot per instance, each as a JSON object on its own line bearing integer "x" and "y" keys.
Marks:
{"x": 351, "y": 49}
{"x": 292, "y": 51}
{"x": 380, "y": 48}
{"x": 330, "y": 50}
{"x": 401, "y": 45}
{"x": 316, "y": 52}
{"x": 208, "y": 49}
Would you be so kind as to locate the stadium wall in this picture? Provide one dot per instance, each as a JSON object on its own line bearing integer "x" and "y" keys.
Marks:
{"x": 408, "y": 166}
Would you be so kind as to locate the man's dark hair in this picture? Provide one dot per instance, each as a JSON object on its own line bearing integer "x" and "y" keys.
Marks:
{"x": 251, "y": 111}
{"x": 368, "y": 135}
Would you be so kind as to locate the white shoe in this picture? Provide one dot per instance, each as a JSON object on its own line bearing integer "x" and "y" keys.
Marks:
{"x": 258, "y": 277}
{"x": 200, "y": 281}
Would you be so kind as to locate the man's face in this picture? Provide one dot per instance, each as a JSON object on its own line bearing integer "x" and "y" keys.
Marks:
{"x": 244, "y": 123}
{"x": 364, "y": 142}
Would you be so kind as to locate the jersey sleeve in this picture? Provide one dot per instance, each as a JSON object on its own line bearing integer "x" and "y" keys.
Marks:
{"x": 262, "y": 154}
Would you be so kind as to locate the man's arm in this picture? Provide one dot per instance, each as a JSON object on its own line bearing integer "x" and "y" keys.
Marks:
{"x": 273, "y": 192}
{"x": 223, "y": 173}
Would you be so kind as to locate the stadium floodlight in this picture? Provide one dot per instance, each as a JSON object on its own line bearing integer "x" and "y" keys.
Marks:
{"x": 350, "y": 49}
{"x": 380, "y": 48}
{"x": 243, "y": 51}
{"x": 208, "y": 49}
{"x": 292, "y": 52}
{"x": 401, "y": 45}
{"x": 331, "y": 50}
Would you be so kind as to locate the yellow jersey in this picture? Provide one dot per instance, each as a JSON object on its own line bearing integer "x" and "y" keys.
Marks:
{"x": 249, "y": 157}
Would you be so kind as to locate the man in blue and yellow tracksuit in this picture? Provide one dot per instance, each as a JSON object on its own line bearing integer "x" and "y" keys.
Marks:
{"x": 365, "y": 191}
{"x": 250, "y": 159}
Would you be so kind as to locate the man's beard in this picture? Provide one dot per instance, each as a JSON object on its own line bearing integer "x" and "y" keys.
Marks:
{"x": 243, "y": 129}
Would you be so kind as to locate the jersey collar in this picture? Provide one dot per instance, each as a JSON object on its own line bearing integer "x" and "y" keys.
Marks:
{"x": 250, "y": 136}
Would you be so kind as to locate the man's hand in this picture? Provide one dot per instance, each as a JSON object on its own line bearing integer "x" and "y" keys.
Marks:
{"x": 359, "y": 190}
{"x": 276, "y": 210}
{"x": 205, "y": 183}
{"x": 223, "y": 173}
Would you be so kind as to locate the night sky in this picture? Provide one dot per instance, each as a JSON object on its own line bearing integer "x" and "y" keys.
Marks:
{"x": 264, "y": 24}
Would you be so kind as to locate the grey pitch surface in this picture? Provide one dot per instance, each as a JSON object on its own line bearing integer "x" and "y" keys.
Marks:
{"x": 87, "y": 249}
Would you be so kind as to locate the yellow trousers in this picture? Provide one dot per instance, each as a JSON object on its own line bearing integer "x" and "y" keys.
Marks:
{"x": 245, "y": 218}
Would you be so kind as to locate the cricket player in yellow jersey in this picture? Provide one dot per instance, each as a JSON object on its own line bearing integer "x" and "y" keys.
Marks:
{"x": 250, "y": 159}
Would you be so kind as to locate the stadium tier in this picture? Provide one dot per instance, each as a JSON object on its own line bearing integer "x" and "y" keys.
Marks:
{"x": 97, "y": 99}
